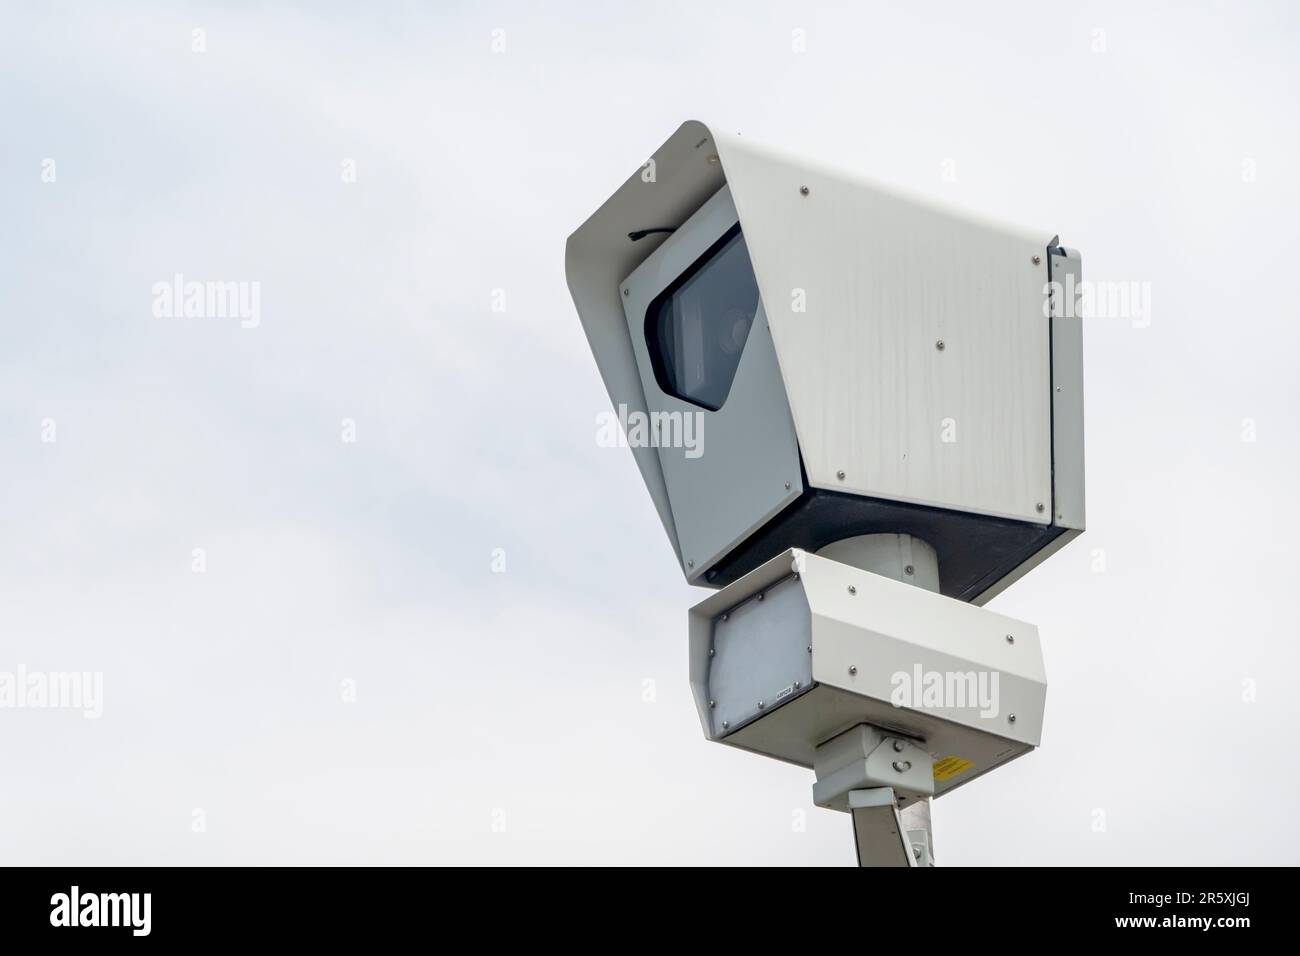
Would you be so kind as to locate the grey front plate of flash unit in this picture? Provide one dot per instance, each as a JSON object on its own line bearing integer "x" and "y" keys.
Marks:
{"x": 760, "y": 655}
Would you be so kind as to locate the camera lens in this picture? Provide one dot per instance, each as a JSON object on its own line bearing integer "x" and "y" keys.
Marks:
{"x": 696, "y": 328}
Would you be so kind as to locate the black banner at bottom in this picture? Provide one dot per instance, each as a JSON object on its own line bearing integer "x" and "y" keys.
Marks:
{"x": 97, "y": 906}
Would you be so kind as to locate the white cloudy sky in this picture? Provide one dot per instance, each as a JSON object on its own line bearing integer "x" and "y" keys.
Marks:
{"x": 520, "y": 697}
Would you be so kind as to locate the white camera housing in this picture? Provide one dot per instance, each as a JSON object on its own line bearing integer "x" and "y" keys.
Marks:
{"x": 908, "y": 369}
{"x": 805, "y": 649}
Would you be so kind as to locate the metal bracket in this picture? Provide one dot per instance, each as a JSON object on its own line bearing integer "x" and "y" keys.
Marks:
{"x": 916, "y": 821}
{"x": 867, "y": 757}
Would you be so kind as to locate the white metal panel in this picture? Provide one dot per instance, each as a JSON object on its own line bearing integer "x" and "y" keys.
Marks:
{"x": 599, "y": 254}
{"x": 864, "y": 636}
{"x": 1068, "y": 499}
{"x": 881, "y": 278}
{"x": 746, "y": 468}
{"x": 1067, "y": 389}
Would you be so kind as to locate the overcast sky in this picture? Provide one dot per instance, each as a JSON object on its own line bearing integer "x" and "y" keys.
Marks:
{"x": 354, "y": 676}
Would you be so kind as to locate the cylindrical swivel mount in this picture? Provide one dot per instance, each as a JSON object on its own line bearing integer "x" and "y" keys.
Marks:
{"x": 898, "y": 556}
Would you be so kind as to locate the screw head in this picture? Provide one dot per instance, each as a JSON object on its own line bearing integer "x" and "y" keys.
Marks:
{"x": 939, "y": 345}
{"x": 787, "y": 486}
{"x": 853, "y": 589}
{"x": 1040, "y": 507}
{"x": 625, "y": 292}
{"x": 1011, "y": 638}
{"x": 713, "y": 703}
{"x": 853, "y": 668}
{"x": 902, "y": 766}
{"x": 839, "y": 475}
{"x": 898, "y": 746}
{"x": 796, "y": 685}
{"x": 803, "y": 190}
{"x": 909, "y": 570}
{"x": 1011, "y": 718}
{"x": 1037, "y": 259}
{"x": 809, "y": 648}
{"x": 691, "y": 562}
{"x": 726, "y": 724}
{"x": 711, "y": 652}
{"x": 760, "y": 705}
{"x": 760, "y": 595}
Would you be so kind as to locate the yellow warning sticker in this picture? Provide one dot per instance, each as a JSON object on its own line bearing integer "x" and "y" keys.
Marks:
{"x": 949, "y": 767}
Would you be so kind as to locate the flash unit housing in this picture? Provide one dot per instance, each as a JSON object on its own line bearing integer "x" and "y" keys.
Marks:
{"x": 804, "y": 649}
